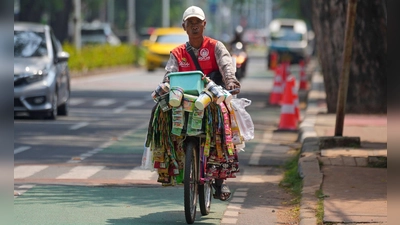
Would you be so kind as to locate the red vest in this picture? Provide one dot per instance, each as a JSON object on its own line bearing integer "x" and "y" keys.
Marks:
{"x": 206, "y": 58}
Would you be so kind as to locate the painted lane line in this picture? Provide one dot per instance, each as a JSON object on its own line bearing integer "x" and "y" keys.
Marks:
{"x": 135, "y": 103}
{"x": 21, "y": 149}
{"x": 140, "y": 174}
{"x": 240, "y": 194}
{"x": 78, "y": 126}
{"x": 231, "y": 213}
{"x": 22, "y": 189}
{"x": 234, "y": 206}
{"x": 76, "y": 101}
{"x": 105, "y": 145}
{"x": 119, "y": 110}
{"x": 237, "y": 200}
{"x": 132, "y": 103}
{"x": 242, "y": 189}
{"x": 104, "y": 102}
{"x": 81, "y": 172}
{"x": 21, "y": 172}
{"x": 85, "y": 155}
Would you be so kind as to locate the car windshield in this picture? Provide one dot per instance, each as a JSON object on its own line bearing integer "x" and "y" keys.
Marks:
{"x": 92, "y": 32}
{"x": 172, "y": 38}
{"x": 29, "y": 44}
{"x": 286, "y": 34}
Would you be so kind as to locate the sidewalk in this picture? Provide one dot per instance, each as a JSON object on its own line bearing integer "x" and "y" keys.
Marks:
{"x": 352, "y": 180}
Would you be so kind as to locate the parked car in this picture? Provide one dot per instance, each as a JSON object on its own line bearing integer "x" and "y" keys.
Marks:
{"x": 98, "y": 33}
{"x": 159, "y": 45}
{"x": 290, "y": 39}
{"x": 41, "y": 74}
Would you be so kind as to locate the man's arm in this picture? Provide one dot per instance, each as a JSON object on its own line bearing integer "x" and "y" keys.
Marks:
{"x": 225, "y": 65}
{"x": 172, "y": 66}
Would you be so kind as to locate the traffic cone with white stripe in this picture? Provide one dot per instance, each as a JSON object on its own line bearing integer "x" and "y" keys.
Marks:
{"x": 296, "y": 101}
{"x": 277, "y": 90}
{"x": 303, "y": 78}
{"x": 288, "y": 119}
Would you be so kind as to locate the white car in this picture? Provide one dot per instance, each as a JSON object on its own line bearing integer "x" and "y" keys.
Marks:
{"x": 98, "y": 33}
{"x": 289, "y": 38}
{"x": 41, "y": 74}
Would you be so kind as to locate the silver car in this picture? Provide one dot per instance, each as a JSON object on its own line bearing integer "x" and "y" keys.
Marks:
{"x": 41, "y": 74}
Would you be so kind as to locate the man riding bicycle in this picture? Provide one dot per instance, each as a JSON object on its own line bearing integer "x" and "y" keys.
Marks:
{"x": 214, "y": 60}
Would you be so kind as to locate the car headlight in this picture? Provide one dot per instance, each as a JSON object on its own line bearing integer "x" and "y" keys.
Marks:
{"x": 35, "y": 77}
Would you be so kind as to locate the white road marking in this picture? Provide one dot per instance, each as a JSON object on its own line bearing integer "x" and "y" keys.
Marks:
{"x": 132, "y": 103}
{"x": 81, "y": 172}
{"x": 233, "y": 209}
{"x": 139, "y": 174}
{"x": 78, "y": 126}
{"x": 21, "y": 149}
{"x": 135, "y": 103}
{"x": 21, "y": 172}
{"x": 119, "y": 110}
{"x": 104, "y": 102}
{"x": 21, "y": 190}
{"x": 104, "y": 145}
{"x": 76, "y": 101}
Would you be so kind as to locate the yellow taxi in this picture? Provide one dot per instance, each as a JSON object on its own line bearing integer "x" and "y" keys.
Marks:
{"x": 159, "y": 45}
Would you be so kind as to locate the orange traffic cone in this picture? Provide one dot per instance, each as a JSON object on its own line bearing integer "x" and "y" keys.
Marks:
{"x": 288, "y": 119}
{"x": 277, "y": 89}
{"x": 303, "y": 78}
{"x": 273, "y": 60}
{"x": 296, "y": 100}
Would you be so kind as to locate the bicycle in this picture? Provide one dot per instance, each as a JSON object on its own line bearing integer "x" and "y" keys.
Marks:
{"x": 201, "y": 165}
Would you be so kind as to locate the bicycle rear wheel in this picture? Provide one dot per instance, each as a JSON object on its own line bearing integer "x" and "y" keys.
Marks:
{"x": 190, "y": 182}
{"x": 205, "y": 194}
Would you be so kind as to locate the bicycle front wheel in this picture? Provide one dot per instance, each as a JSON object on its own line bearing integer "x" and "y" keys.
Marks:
{"x": 190, "y": 182}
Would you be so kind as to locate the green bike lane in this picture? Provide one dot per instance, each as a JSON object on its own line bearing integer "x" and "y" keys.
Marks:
{"x": 113, "y": 203}
{"x": 75, "y": 205}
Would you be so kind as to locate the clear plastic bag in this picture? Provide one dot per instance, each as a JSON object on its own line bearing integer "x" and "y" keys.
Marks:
{"x": 147, "y": 157}
{"x": 243, "y": 118}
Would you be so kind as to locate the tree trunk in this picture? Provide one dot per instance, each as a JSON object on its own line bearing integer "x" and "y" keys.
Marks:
{"x": 59, "y": 21}
{"x": 367, "y": 80}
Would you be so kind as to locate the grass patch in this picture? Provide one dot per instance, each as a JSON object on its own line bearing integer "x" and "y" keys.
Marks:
{"x": 292, "y": 181}
{"x": 320, "y": 207}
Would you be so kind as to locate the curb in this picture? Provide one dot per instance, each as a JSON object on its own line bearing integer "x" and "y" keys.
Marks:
{"x": 308, "y": 164}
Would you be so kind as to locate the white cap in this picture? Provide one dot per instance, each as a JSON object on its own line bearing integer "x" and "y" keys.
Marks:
{"x": 193, "y": 11}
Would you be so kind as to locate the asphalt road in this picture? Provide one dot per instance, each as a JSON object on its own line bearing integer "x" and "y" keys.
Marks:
{"x": 84, "y": 168}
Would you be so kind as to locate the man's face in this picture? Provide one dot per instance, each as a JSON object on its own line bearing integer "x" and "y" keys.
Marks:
{"x": 194, "y": 26}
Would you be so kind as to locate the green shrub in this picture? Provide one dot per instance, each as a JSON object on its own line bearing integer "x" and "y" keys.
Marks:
{"x": 101, "y": 56}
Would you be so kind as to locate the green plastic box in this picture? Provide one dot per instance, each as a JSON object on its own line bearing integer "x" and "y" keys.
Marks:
{"x": 190, "y": 82}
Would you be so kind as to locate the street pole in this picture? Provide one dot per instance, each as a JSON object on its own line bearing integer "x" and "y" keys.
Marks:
{"x": 77, "y": 23}
{"x": 165, "y": 13}
{"x": 131, "y": 22}
{"x": 110, "y": 12}
{"x": 132, "y": 29}
{"x": 344, "y": 76}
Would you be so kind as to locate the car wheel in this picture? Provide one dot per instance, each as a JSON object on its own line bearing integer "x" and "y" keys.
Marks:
{"x": 52, "y": 114}
{"x": 62, "y": 110}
